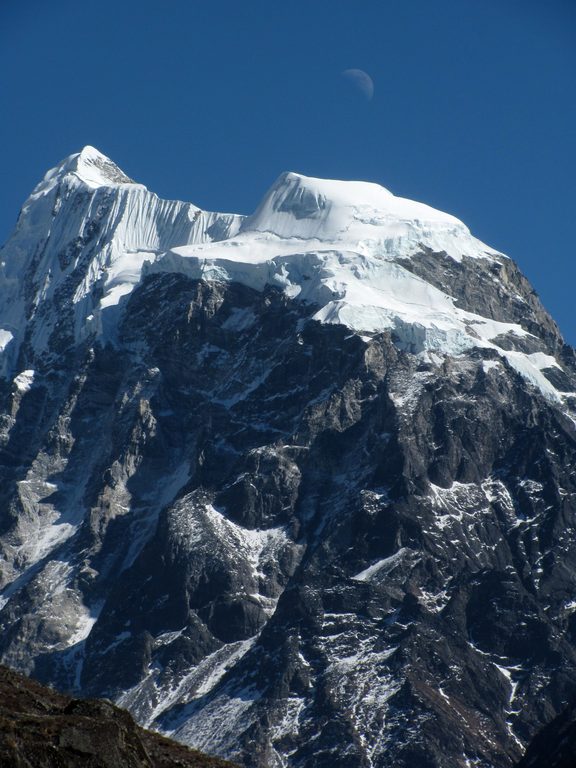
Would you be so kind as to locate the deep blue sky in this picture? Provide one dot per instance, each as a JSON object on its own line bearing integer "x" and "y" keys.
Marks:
{"x": 474, "y": 109}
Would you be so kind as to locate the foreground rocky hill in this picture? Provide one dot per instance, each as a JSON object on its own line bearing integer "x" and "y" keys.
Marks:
{"x": 296, "y": 489}
{"x": 40, "y": 728}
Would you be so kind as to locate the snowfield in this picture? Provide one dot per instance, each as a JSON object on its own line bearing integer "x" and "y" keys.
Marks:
{"x": 339, "y": 246}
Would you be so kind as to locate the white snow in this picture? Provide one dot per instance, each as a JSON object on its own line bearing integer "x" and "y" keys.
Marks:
{"x": 215, "y": 727}
{"x": 150, "y": 698}
{"x": 199, "y": 523}
{"x": 530, "y": 367}
{"x": 287, "y": 726}
{"x": 145, "y": 519}
{"x": 506, "y": 671}
{"x": 367, "y": 294}
{"x": 490, "y": 365}
{"x": 435, "y": 602}
{"x": 51, "y": 513}
{"x": 50, "y": 528}
{"x": 87, "y": 213}
{"x": 334, "y": 245}
{"x": 116, "y": 642}
{"x": 386, "y": 563}
{"x": 5, "y": 338}
{"x": 360, "y": 678}
{"x": 23, "y": 382}
{"x": 454, "y": 504}
{"x": 90, "y": 167}
{"x": 85, "y": 621}
{"x": 215, "y": 667}
{"x": 331, "y": 210}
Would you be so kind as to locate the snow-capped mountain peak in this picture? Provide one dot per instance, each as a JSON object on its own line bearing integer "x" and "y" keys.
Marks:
{"x": 90, "y": 167}
{"x": 303, "y": 206}
{"x": 353, "y": 251}
{"x": 284, "y": 485}
{"x": 79, "y": 246}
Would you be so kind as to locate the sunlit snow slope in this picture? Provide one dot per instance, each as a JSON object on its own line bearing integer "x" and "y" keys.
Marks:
{"x": 340, "y": 246}
{"x": 79, "y": 246}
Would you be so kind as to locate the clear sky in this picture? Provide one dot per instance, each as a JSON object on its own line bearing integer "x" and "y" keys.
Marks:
{"x": 473, "y": 111}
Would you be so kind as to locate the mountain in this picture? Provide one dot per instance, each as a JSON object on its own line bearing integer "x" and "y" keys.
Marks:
{"x": 296, "y": 488}
{"x": 40, "y": 728}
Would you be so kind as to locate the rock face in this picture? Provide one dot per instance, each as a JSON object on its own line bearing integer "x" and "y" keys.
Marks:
{"x": 555, "y": 745}
{"x": 40, "y": 728}
{"x": 297, "y": 489}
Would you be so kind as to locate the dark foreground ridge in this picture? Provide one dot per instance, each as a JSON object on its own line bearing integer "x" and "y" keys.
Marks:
{"x": 40, "y": 728}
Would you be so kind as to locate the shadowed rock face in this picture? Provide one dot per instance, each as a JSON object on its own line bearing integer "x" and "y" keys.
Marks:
{"x": 555, "y": 745}
{"x": 293, "y": 541}
{"x": 40, "y": 728}
{"x": 290, "y": 543}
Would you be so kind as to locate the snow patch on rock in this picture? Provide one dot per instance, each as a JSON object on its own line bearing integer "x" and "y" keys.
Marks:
{"x": 23, "y": 382}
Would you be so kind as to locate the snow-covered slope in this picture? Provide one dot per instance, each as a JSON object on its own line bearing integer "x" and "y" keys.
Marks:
{"x": 80, "y": 242}
{"x": 357, "y": 212}
{"x": 336, "y": 245}
{"x": 88, "y": 234}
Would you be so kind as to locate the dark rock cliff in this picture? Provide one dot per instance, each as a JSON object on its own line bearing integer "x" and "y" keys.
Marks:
{"x": 555, "y": 745}
{"x": 375, "y": 553}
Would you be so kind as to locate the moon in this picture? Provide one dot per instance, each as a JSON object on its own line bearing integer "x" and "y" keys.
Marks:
{"x": 360, "y": 80}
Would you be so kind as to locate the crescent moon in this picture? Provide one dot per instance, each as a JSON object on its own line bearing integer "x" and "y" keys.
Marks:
{"x": 360, "y": 80}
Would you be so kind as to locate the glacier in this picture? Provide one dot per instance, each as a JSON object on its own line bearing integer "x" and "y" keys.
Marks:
{"x": 338, "y": 246}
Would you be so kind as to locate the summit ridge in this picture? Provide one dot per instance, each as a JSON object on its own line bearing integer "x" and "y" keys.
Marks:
{"x": 345, "y": 247}
{"x": 88, "y": 166}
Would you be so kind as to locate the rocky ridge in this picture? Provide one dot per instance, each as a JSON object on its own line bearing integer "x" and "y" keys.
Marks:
{"x": 40, "y": 728}
{"x": 303, "y": 496}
